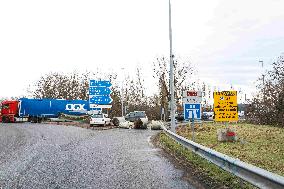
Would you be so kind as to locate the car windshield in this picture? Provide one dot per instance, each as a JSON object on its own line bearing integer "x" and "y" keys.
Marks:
{"x": 97, "y": 116}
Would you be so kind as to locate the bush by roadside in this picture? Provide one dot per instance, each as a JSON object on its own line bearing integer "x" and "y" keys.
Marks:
{"x": 138, "y": 124}
{"x": 82, "y": 118}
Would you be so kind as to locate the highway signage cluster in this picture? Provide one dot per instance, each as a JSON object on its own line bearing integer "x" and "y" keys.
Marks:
{"x": 99, "y": 94}
{"x": 192, "y": 104}
{"x": 192, "y": 97}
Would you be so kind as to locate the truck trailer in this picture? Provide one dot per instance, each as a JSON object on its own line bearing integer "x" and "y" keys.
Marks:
{"x": 36, "y": 110}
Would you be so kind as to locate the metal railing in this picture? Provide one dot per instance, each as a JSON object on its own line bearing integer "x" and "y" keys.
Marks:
{"x": 252, "y": 174}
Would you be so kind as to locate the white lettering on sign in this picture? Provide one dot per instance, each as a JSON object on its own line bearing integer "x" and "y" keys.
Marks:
{"x": 192, "y": 97}
{"x": 191, "y": 93}
{"x": 74, "y": 107}
{"x": 192, "y": 113}
{"x": 192, "y": 106}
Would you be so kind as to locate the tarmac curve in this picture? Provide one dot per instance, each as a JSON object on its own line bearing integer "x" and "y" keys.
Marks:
{"x": 56, "y": 156}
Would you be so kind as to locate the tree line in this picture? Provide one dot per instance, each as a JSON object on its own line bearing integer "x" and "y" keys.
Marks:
{"x": 75, "y": 86}
{"x": 266, "y": 107}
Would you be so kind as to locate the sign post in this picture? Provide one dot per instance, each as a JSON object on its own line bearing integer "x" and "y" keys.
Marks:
{"x": 192, "y": 128}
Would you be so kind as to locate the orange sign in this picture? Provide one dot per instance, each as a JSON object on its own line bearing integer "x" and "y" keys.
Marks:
{"x": 225, "y": 106}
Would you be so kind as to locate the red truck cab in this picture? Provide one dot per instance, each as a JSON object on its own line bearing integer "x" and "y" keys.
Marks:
{"x": 9, "y": 111}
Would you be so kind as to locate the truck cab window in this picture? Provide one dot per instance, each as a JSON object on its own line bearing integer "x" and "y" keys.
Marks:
{"x": 5, "y": 106}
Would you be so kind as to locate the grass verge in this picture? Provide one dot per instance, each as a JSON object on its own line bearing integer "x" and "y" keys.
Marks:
{"x": 259, "y": 145}
{"x": 210, "y": 174}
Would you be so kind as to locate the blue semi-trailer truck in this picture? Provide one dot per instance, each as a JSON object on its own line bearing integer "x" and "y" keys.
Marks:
{"x": 35, "y": 110}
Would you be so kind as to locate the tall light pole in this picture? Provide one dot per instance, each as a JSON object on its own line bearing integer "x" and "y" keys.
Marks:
{"x": 261, "y": 61}
{"x": 172, "y": 91}
{"x": 122, "y": 95}
{"x": 264, "y": 96}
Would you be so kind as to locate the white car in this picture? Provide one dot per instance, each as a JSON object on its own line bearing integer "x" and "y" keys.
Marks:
{"x": 100, "y": 119}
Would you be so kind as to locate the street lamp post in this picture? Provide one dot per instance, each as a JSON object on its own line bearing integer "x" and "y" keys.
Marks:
{"x": 264, "y": 96}
{"x": 171, "y": 72}
{"x": 122, "y": 96}
{"x": 261, "y": 61}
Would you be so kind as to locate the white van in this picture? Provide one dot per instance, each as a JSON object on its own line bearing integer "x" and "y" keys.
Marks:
{"x": 99, "y": 119}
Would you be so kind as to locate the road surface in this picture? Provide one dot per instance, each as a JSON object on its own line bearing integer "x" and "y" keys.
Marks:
{"x": 56, "y": 156}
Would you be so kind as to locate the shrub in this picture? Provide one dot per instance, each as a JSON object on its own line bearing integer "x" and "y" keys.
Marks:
{"x": 138, "y": 124}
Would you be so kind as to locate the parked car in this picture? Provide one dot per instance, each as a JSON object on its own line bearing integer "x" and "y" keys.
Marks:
{"x": 205, "y": 116}
{"x": 178, "y": 117}
{"x": 100, "y": 119}
{"x": 132, "y": 116}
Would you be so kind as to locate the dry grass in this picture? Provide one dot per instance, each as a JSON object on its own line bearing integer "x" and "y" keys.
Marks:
{"x": 259, "y": 145}
{"x": 208, "y": 173}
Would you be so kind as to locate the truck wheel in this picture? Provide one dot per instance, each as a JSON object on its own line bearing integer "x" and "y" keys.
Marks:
{"x": 3, "y": 119}
{"x": 39, "y": 120}
{"x": 7, "y": 119}
{"x": 33, "y": 119}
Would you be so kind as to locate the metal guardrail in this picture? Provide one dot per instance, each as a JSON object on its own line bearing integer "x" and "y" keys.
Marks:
{"x": 252, "y": 174}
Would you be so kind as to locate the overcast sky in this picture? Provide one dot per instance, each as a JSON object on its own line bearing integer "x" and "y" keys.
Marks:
{"x": 223, "y": 39}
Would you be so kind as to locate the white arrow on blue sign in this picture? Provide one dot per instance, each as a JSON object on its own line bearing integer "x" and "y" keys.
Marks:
{"x": 99, "y": 91}
{"x": 192, "y": 111}
{"x": 101, "y": 99}
{"x": 99, "y": 83}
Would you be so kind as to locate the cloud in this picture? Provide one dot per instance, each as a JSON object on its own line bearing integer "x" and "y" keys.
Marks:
{"x": 224, "y": 39}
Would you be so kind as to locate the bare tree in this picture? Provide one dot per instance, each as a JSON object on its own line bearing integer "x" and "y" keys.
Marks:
{"x": 267, "y": 107}
{"x": 60, "y": 85}
{"x": 182, "y": 71}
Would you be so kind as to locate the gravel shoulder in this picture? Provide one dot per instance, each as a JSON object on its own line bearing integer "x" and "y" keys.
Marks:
{"x": 53, "y": 156}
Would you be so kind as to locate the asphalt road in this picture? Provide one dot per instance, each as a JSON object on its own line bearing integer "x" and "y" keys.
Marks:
{"x": 53, "y": 156}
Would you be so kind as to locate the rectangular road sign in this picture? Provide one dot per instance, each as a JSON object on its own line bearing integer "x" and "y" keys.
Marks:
{"x": 95, "y": 106}
{"x": 99, "y": 91}
{"x": 99, "y": 94}
{"x": 100, "y": 83}
{"x": 192, "y": 97}
{"x": 192, "y": 110}
{"x": 100, "y": 99}
{"x": 225, "y": 106}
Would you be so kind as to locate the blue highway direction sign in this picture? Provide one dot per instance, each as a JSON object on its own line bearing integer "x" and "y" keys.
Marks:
{"x": 100, "y": 100}
{"x": 99, "y": 91}
{"x": 99, "y": 94}
{"x": 192, "y": 110}
{"x": 99, "y": 83}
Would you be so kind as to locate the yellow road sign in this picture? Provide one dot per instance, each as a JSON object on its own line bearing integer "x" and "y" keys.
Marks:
{"x": 225, "y": 106}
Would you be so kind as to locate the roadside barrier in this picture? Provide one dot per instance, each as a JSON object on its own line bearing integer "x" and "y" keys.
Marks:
{"x": 250, "y": 173}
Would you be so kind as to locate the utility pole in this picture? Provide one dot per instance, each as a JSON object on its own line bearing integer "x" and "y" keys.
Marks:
{"x": 122, "y": 95}
{"x": 261, "y": 61}
{"x": 264, "y": 98}
{"x": 172, "y": 91}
